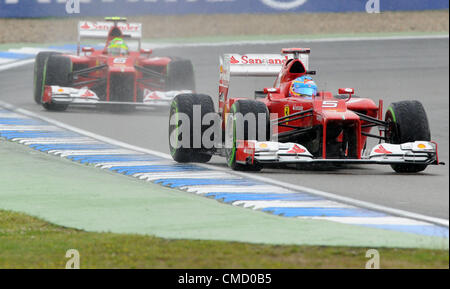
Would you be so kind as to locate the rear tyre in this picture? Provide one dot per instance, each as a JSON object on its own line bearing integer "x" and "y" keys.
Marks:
{"x": 57, "y": 70}
{"x": 183, "y": 105}
{"x": 38, "y": 79}
{"x": 407, "y": 122}
{"x": 238, "y": 112}
{"x": 180, "y": 75}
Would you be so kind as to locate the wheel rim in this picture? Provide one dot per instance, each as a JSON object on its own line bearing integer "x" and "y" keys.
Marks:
{"x": 230, "y": 138}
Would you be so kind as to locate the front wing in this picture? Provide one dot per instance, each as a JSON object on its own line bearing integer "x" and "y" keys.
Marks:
{"x": 419, "y": 152}
{"x": 85, "y": 97}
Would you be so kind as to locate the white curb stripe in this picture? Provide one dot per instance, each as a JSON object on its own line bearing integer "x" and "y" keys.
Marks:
{"x": 234, "y": 189}
{"x": 257, "y": 205}
{"x": 371, "y": 221}
{"x": 13, "y": 127}
{"x": 66, "y": 153}
{"x": 131, "y": 164}
{"x": 58, "y": 141}
{"x": 200, "y": 175}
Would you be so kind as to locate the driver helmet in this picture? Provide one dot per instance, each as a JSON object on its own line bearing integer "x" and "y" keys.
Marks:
{"x": 117, "y": 47}
{"x": 304, "y": 87}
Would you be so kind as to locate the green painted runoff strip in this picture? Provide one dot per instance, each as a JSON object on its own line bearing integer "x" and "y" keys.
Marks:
{"x": 85, "y": 197}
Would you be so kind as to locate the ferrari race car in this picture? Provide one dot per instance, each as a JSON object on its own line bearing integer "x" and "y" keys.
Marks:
{"x": 112, "y": 75}
{"x": 278, "y": 128}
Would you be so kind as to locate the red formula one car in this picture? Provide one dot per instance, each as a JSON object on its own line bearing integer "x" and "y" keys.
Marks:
{"x": 278, "y": 128}
{"x": 124, "y": 77}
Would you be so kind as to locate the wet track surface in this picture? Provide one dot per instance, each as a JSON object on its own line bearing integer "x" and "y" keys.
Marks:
{"x": 393, "y": 70}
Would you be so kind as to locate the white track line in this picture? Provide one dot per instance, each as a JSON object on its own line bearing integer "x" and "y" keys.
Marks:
{"x": 295, "y": 39}
{"x": 16, "y": 64}
{"x": 358, "y": 203}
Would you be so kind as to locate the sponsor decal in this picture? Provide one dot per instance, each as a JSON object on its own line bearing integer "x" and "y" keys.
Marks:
{"x": 382, "y": 150}
{"x": 87, "y": 94}
{"x": 105, "y": 26}
{"x": 297, "y": 107}
{"x": 287, "y": 111}
{"x": 296, "y": 150}
{"x": 245, "y": 59}
{"x": 120, "y": 60}
{"x": 233, "y": 60}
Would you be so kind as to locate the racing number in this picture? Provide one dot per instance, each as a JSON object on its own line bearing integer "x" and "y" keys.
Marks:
{"x": 329, "y": 103}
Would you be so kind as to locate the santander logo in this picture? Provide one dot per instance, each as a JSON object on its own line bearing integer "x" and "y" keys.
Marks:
{"x": 296, "y": 150}
{"x": 284, "y": 5}
{"x": 245, "y": 59}
{"x": 106, "y": 26}
{"x": 382, "y": 150}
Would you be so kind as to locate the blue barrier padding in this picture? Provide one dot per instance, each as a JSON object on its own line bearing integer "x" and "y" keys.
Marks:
{"x": 232, "y": 197}
{"x": 430, "y": 230}
{"x": 33, "y": 8}
{"x": 174, "y": 183}
{"x": 323, "y": 212}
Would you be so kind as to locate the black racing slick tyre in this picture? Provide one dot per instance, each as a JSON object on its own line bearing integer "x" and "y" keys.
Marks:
{"x": 240, "y": 113}
{"x": 186, "y": 138}
{"x": 407, "y": 122}
{"x": 39, "y": 79}
{"x": 180, "y": 75}
{"x": 58, "y": 71}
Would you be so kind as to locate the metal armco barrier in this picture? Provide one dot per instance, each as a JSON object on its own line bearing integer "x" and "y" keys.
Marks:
{"x": 57, "y": 8}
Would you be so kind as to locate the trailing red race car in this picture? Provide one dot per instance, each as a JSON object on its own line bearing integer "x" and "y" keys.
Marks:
{"x": 293, "y": 123}
{"x": 114, "y": 75}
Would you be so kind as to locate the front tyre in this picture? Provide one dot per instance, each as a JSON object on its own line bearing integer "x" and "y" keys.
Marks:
{"x": 183, "y": 147}
{"x": 243, "y": 123}
{"x": 39, "y": 72}
{"x": 57, "y": 69}
{"x": 407, "y": 122}
{"x": 180, "y": 75}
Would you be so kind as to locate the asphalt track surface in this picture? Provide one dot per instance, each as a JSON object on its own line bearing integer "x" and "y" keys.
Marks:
{"x": 393, "y": 70}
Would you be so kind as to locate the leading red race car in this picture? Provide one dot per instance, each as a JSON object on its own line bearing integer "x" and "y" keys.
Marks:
{"x": 279, "y": 128}
{"x": 98, "y": 76}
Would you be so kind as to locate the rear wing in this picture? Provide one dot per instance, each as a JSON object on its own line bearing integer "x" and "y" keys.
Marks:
{"x": 100, "y": 30}
{"x": 256, "y": 65}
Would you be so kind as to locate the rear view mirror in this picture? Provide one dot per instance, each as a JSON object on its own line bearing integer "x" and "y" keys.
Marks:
{"x": 87, "y": 49}
{"x": 146, "y": 51}
{"x": 271, "y": 90}
{"x": 346, "y": 91}
{"x": 349, "y": 91}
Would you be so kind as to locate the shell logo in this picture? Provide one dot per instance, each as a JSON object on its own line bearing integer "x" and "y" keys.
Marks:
{"x": 263, "y": 145}
{"x": 284, "y": 5}
{"x": 421, "y": 146}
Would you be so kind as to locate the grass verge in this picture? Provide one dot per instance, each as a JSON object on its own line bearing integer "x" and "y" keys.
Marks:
{"x": 28, "y": 242}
